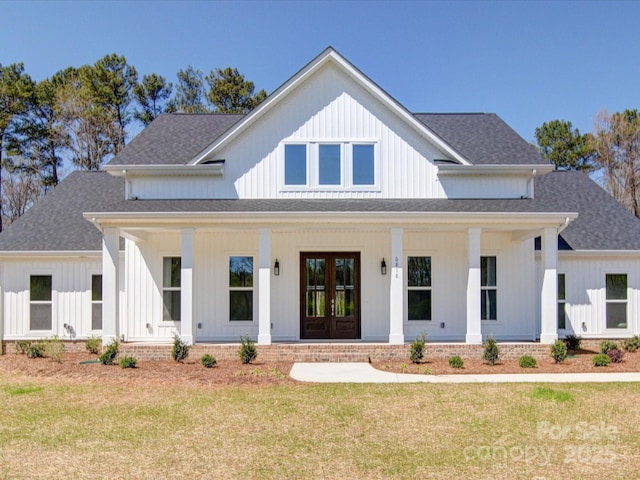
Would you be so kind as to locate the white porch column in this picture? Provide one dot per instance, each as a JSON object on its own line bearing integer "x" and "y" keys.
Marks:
{"x": 474, "y": 329}
{"x": 264, "y": 287}
{"x": 186, "y": 285}
{"x": 396, "y": 291}
{"x": 110, "y": 286}
{"x": 549, "y": 294}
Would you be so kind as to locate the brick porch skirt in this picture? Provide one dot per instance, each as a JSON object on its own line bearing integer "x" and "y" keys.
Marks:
{"x": 326, "y": 352}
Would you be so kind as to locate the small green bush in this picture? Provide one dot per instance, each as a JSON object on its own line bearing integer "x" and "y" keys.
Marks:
{"x": 247, "y": 352}
{"x": 630, "y": 344}
{"x": 559, "y": 351}
{"x": 36, "y": 350}
{"x": 527, "y": 361}
{"x": 601, "y": 360}
{"x": 208, "y": 361}
{"x": 607, "y": 345}
{"x": 109, "y": 354}
{"x": 22, "y": 346}
{"x": 128, "y": 362}
{"x": 491, "y": 351}
{"x": 180, "y": 350}
{"x": 417, "y": 348}
{"x": 456, "y": 362}
{"x": 573, "y": 342}
{"x": 54, "y": 348}
{"x": 93, "y": 344}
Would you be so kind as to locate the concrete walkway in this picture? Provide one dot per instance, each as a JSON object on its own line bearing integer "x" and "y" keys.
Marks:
{"x": 365, "y": 373}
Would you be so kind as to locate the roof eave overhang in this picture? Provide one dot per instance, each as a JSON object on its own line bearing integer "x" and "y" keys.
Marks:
{"x": 215, "y": 169}
{"x": 51, "y": 254}
{"x": 599, "y": 253}
{"x": 328, "y": 55}
{"x": 494, "y": 169}
{"x": 510, "y": 220}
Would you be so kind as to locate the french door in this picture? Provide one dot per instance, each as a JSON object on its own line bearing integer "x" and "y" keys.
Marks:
{"x": 330, "y": 295}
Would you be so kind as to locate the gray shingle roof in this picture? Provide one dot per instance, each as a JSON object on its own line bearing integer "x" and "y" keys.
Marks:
{"x": 482, "y": 138}
{"x": 174, "y": 139}
{"x": 56, "y": 222}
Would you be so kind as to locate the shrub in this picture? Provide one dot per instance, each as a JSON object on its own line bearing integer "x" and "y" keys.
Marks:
{"x": 527, "y": 361}
{"x": 22, "y": 346}
{"x": 456, "y": 362}
{"x": 54, "y": 348}
{"x": 573, "y": 342}
{"x": 109, "y": 354}
{"x": 93, "y": 344}
{"x": 180, "y": 350}
{"x": 615, "y": 355}
{"x": 417, "y": 348}
{"x": 601, "y": 360}
{"x": 559, "y": 351}
{"x": 128, "y": 362}
{"x": 208, "y": 360}
{"x": 491, "y": 351}
{"x": 607, "y": 345}
{"x": 630, "y": 344}
{"x": 247, "y": 352}
{"x": 36, "y": 350}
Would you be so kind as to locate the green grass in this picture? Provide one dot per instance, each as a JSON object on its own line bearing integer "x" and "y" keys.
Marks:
{"x": 318, "y": 431}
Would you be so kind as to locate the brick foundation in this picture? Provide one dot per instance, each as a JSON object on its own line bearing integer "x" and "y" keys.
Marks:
{"x": 327, "y": 352}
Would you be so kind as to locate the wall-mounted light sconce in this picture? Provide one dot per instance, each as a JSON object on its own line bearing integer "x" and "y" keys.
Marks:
{"x": 148, "y": 325}
{"x": 199, "y": 325}
{"x": 276, "y": 268}
{"x": 584, "y": 326}
{"x": 383, "y": 267}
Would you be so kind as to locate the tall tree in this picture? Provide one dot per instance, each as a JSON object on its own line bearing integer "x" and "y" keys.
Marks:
{"x": 616, "y": 143}
{"x": 190, "y": 92}
{"x": 91, "y": 130}
{"x": 108, "y": 86}
{"x": 231, "y": 93}
{"x": 563, "y": 145}
{"x": 153, "y": 95}
{"x": 20, "y": 190}
{"x": 39, "y": 135}
{"x": 14, "y": 88}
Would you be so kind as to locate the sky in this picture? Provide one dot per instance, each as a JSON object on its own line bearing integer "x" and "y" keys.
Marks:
{"x": 528, "y": 61}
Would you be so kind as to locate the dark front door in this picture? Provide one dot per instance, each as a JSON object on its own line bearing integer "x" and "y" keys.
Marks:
{"x": 330, "y": 295}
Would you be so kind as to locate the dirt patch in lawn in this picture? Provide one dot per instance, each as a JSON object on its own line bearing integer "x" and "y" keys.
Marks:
{"x": 579, "y": 361}
{"x": 151, "y": 372}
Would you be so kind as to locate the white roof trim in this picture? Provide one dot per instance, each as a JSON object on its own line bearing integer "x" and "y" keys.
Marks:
{"x": 328, "y": 55}
{"x": 52, "y": 254}
{"x": 213, "y": 169}
{"x": 447, "y": 169}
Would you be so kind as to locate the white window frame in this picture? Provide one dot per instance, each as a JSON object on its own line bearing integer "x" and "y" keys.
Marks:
{"x": 624, "y": 301}
{"x": 562, "y": 301}
{"x": 163, "y": 321}
{"x": 408, "y": 288}
{"x": 252, "y": 289}
{"x": 41, "y": 302}
{"x": 485, "y": 288}
{"x": 346, "y": 166}
{"x": 94, "y": 302}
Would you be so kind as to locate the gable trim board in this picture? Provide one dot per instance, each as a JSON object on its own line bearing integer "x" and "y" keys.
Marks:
{"x": 227, "y": 223}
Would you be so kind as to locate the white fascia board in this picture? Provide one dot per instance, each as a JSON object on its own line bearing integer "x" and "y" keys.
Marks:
{"x": 212, "y": 169}
{"x": 52, "y": 254}
{"x": 326, "y": 56}
{"x": 494, "y": 169}
{"x": 512, "y": 220}
{"x": 598, "y": 253}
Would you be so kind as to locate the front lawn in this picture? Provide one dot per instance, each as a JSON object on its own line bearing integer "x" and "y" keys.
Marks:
{"x": 84, "y": 429}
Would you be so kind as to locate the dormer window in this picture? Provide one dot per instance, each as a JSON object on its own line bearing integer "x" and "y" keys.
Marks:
{"x": 330, "y": 166}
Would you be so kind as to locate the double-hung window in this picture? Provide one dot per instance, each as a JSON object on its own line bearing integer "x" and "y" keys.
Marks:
{"x": 329, "y": 164}
{"x": 96, "y": 302}
{"x": 241, "y": 289}
{"x": 363, "y": 165}
{"x": 40, "y": 304}
{"x": 295, "y": 164}
{"x": 562, "y": 300}
{"x": 419, "y": 288}
{"x": 171, "y": 289}
{"x": 488, "y": 289}
{"x": 616, "y": 300}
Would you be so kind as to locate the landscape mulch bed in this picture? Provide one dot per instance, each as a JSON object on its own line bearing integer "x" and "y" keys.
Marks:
{"x": 232, "y": 372}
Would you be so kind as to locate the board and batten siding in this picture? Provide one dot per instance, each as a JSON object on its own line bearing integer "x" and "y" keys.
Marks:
{"x": 71, "y": 296}
{"x": 486, "y": 186}
{"x": 585, "y": 287}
